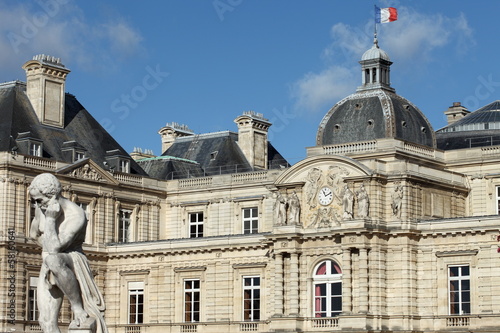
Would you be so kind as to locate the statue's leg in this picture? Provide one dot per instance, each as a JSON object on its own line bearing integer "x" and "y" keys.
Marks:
{"x": 61, "y": 266}
{"x": 49, "y": 301}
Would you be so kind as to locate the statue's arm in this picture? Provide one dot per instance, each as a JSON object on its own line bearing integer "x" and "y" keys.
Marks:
{"x": 56, "y": 241}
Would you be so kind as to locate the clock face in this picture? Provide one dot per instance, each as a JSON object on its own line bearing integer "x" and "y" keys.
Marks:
{"x": 325, "y": 196}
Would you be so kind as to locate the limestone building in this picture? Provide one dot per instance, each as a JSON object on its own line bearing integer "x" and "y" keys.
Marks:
{"x": 386, "y": 226}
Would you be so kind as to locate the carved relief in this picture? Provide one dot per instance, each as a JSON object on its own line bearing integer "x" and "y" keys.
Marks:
{"x": 286, "y": 209}
{"x": 363, "y": 202}
{"x": 86, "y": 172}
{"x": 397, "y": 200}
{"x": 312, "y": 185}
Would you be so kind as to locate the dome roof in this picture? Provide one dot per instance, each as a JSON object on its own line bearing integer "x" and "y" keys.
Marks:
{"x": 375, "y": 52}
{"x": 375, "y": 114}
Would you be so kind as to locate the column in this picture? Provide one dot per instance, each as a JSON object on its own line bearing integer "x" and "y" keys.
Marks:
{"x": 363, "y": 281}
{"x": 278, "y": 285}
{"x": 346, "y": 282}
{"x": 294, "y": 284}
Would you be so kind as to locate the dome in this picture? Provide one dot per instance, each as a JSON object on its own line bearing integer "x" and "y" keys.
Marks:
{"x": 375, "y": 52}
{"x": 477, "y": 129}
{"x": 375, "y": 114}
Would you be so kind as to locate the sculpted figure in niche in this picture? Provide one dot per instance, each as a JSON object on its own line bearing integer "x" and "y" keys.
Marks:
{"x": 397, "y": 200}
{"x": 347, "y": 202}
{"x": 280, "y": 206}
{"x": 59, "y": 228}
{"x": 363, "y": 202}
{"x": 293, "y": 209}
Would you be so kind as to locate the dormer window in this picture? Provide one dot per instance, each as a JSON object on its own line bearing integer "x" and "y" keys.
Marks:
{"x": 124, "y": 166}
{"x": 79, "y": 156}
{"x": 28, "y": 144}
{"x": 72, "y": 151}
{"x": 35, "y": 149}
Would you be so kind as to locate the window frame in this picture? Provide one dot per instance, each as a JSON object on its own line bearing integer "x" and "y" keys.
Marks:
{"x": 252, "y": 229}
{"x": 497, "y": 199}
{"x": 460, "y": 292}
{"x": 191, "y": 315}
{"x": 136, "y": 290}
{"x": 332, "y": 282}
{"x": 124, "y": 231}
{"x": 249, "y": 313}
{"x": 32, "y": 312}
{"x": 35, "y": 148}
{"x": 198, "y": 224}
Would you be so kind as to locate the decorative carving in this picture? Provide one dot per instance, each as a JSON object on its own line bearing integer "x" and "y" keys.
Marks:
{"x": 347, "y": 202}
{"x": 312, "y": 186}
{"x": 59, "y": 228}
{"x": 397, "y": 200}
{"x": 363, "y": 202}
{"x": 293, "y": 208}
{"x": 86, "y": 172}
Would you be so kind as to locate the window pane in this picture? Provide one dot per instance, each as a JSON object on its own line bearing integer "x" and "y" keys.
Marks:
{"x": 454, "y": 285}
{"x": 454, "y": 297}
{"x": 466, "y": 296}
{"x": 336, "y": 289}
{"x": 465, "y": 284}
{"x": 465, "y": 271}
{"x": 453, "y": 271}
{"x": 466, "y": 308}
{"x": 337, "y": 304}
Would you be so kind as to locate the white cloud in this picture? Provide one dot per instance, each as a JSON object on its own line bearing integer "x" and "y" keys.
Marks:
{"x": 317, "y": 91}
{"x": 412, "y": 39}
{"x": 60, "y": 28}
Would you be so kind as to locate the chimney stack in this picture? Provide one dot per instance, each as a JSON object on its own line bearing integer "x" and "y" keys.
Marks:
{"x": 170, "y": 132}
{"x": 45, "y": 83}
{"x": 456, "y": 112}
{"x": 252, "y": 137}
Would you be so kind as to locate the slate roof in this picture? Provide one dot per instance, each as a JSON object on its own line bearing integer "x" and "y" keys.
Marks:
{"x": 18, "y": 118}
{"x": 375, "y": 114}
{"x": 205, "y": 155}
{"x": 477, "y": 129}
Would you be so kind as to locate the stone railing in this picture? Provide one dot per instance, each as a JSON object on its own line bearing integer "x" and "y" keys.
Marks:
{"x": 420, "y": 150}
{"x": 249, "y": 176}
{"x": 460, "y": 321}
{"x": 195, "y": 182}
{"x": 324, "y": 322}
{"x": 40, "y": 162}
{"x": 249, "y": 327}
{"x": 189, "y": 328}
{"x": 355, "y": 147}
{"x": 133, "y": 329}
{"x": 495, "y": 150}
{"x": 128, "y": 178}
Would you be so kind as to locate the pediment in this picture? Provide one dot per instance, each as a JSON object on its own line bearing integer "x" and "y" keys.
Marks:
{"x": 86, "y": 169}
{"x": 327, "y": 165}
{"x": 323, "y": 189}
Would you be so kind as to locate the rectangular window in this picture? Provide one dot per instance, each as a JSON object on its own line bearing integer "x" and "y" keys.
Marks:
{"x": 251, "y": 298}
{"x": 459, "y": 290}
{"x": 79, "y": 156}
{"x": 32, "y": 301}
{"x": 35, "y": 149}
{"x": 124, "y": 226}
{"x": 498, "y": 200}
{"x": 124, "y": 166}
{"x": 250, "y": 220}
{"x": 136, "y": 302}
{"x": 196, "y": 225}
{"x": 191, "y": 301}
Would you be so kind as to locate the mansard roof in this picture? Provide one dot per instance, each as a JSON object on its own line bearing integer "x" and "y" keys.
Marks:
{"x": 19, "y": 121}
{"x": 203, "y": 155}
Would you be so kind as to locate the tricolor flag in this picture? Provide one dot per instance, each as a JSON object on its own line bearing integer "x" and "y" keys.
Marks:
{"x": 385, "y": 15}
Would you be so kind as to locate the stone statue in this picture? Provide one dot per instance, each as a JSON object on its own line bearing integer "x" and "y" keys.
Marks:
{"x": 397, "y": 200}
{"x": 293, "y": 209}
{"x": 59, "y": 228}
{"x": 347, "y": 202}
{"x": 363, "y": 202}
{"x": 312, "y": 186}
{"x": 280, "y": 207}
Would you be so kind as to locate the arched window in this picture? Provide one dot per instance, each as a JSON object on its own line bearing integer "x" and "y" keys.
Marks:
{"x": 327, "y": 286}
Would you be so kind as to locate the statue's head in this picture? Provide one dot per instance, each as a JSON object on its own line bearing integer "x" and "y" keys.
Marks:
{"x": 43, "y": 188}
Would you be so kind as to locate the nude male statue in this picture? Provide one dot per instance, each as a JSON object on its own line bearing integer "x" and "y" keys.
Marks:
{"x": 59, "y": 227}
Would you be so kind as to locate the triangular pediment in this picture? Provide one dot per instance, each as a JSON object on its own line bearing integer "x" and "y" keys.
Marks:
{"x": 87, "y": 169}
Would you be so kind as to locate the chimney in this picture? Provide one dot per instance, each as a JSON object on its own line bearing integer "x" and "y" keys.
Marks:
{"x": 456, "y": 112}
{"x": 45, "y": 81}
{"x": 252, "y": 137}
{"x": 170, "y": 132}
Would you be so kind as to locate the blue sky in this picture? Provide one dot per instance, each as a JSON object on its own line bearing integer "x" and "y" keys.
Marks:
{"x": 138, "y": 65}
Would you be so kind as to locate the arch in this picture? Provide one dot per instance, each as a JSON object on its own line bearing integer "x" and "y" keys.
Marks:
{"x": 327, "y": 289}
{"x": 307, "y": 163}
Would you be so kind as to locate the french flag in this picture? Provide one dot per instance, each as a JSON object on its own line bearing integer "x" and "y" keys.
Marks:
{"x": 385, "y": 15}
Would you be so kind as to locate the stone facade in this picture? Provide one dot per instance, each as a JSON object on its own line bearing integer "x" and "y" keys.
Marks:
{"x": 384, "y": 235}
